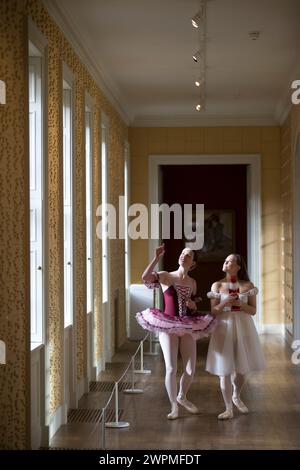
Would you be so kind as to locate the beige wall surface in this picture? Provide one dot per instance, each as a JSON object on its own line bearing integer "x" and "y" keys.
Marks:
{"x": 274, "y": 144}
{"x": 217, "y": 140}
{"x": 289, "y": 135}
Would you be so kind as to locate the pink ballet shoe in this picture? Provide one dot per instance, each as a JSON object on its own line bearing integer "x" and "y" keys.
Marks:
{"x": 174, "y": 412}
{"x": 227, "y": 414}
{"x": 189, "y": 406}
{"x": 240, "y": 405}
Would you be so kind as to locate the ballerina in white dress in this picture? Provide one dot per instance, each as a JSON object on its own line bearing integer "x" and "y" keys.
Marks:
{"x": 234, "y": 348}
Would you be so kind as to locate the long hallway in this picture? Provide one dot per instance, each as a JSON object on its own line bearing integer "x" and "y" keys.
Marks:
{"x": 139, "y": 138}
{"x": 273, "y": 397}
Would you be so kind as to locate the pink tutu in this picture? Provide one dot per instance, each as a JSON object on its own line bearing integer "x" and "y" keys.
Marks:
{"x": 176, "y": 319}
{"x": 197, "y": 325}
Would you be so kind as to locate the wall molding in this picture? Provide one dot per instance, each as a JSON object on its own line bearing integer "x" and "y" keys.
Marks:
{"x": 284, "y": 104}
{"x": 102, "y": 79}
{"x": 273, "y": 329}
{"x": 205, "y": 120}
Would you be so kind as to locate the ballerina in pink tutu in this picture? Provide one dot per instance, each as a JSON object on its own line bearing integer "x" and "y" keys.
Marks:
{"x": 179, "y": 325}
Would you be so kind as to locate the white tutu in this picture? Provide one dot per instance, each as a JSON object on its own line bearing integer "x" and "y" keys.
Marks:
{"x": 234, "y": 345}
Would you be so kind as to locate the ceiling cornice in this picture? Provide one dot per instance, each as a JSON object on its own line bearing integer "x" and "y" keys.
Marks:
{"x": 213, "y": 120}
{"x": 284, "y": 105}
{"x": 102, "y": 79}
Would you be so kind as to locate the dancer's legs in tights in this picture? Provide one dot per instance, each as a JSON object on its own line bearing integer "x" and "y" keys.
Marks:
{"x": 226, "y": 389}
{"x": 169, "y": 345}
{"x": 238, "y": 381}
{"x": 188, "y": 353}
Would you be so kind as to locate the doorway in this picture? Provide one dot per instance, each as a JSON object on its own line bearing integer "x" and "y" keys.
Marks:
{"x": 253, "y": 177}
{"x": 225, "y": 214}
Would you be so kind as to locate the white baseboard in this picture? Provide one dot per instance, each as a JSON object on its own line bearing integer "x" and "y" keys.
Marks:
{"x": 99, "y": 367}
{"x": 272, "y": 329}
{"x": 59, "y": 417}
{"x": 93, "y": 376}
{"x": 288, "y": 337}
{"x": 45, "y": 436}
{"x": 82, "y": 388}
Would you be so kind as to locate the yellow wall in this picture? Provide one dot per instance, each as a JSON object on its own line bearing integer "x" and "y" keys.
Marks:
{"x": 289, "y": 133}
{"x": 14, "y": 252}
{"x": 286, "y": 224}
{"x": 14, "y": 171}
{"x": 217, "y": 140}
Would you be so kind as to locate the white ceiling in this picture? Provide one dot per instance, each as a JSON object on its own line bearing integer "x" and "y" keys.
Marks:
{"x": 141, "y": 51}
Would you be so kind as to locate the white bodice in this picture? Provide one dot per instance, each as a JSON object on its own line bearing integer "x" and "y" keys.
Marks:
{"x": 224, "y": 295}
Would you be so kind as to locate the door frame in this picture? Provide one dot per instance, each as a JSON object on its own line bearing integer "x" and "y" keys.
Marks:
{"x": 253, "y": 162}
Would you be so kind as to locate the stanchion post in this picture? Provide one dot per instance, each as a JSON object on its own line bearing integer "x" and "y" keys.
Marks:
{"x": 103, "y": 428}
{"x": 142, "y": 370}
{"x": 117, "y": 423}
{"x": 151, "y": 352}
{"x": 132, "y": 389}
{"x": 117, "y": 403}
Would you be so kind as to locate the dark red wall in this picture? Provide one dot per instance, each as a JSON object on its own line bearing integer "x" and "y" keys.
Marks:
{"x": 217, "y": 187}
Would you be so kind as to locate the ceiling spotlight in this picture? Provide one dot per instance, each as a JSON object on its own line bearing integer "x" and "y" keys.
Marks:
{"x": 198, "y": 81}
{"x": 196, "y": 20}
{"x": 197, "y": 56}
{"x": 254, "y": 35}
{"x": 198, "y": 107}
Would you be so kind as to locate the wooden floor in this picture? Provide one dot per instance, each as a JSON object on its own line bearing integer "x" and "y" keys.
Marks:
{"x": 273, "y": 397}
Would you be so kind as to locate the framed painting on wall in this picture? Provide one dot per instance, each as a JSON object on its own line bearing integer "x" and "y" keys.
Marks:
{"x": 219, "y": 235}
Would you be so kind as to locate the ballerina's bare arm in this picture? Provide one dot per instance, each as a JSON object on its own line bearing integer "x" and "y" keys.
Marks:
{"x": 216, "y": 304}
{"x": 150, "y": 276}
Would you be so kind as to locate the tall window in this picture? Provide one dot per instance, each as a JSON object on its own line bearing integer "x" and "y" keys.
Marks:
{"x": 89, "y": 210}
{"x": 104, "y": 135}
{"x": 36, "y": 171}
{"x": 127, "y": 245}
{"x": 68, "y": 202}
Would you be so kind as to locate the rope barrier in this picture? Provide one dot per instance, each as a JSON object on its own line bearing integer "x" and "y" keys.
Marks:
{"x": 142, "y": 370}
{"x": 151, "y": 351}
{"x": 115, "y": 392}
